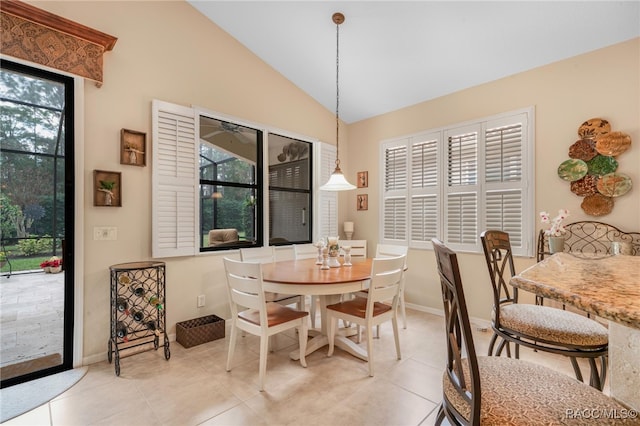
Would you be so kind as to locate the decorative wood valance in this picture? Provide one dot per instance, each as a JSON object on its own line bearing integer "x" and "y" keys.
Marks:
{"x": 38, "y": 36}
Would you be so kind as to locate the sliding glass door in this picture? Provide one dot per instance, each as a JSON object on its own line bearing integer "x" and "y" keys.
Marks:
{"x": 36, "y": 223}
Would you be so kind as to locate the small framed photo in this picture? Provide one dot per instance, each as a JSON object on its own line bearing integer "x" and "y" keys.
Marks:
{"x": 363, "y": 179}
{"x": 133, "y": 148}
{"x": 107, "y": 188}
{"x": 363, "y": 202}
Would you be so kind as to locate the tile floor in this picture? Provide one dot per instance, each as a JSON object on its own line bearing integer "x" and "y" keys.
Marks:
{"x": 193, "y": 388}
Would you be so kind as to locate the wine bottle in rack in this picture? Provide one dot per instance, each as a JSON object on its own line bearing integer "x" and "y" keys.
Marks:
{"x": 137, "y": 289}
{"x": 122, "y": 305}
{"x": 122, "y": 331}
{"x": 137, "y": 315}
{"x": 156, "y": 301}
{"x": 151, "y": 325}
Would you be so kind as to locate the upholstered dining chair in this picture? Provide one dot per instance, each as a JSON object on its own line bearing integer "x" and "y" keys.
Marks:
{"x": 308, "y": 251}
{"x": 538, "y": 327}
{"x": 386, "y": 278}
{"x": 262, "y": 318}
{"x": 267, "y": 254}
{"x": 489, "y": 390}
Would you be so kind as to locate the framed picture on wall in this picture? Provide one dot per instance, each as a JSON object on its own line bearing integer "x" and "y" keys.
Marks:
{"x": 107, "y": 188}
{"x": 363, "y": 179}
{"x": 133, "y": 148}
{"x": 363, "y": 202}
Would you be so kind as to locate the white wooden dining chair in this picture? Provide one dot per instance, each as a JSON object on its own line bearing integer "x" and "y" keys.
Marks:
{"x": 386, "y": 278}
{"x": 308, "y": 251}
{"x": 268, "y": 255}
{"x": 262, "y": 318}
{"x": 391, "y": 250}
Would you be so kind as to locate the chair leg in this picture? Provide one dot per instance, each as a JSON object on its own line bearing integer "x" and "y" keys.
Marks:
{"x": 517, "y": 351}
{"x": 440, "y": 417}
{"x": 358, "y": 333}
{"x": 396, "y": 335}
{"x": 492, "y": 343}
{"x": 594, "y": 380}
{"x": 576, "y": 368}
{"x": 302, "y": 337}
{"x": 508, "y": 346}
{"x": 403, "y": 311}
{"x": 264, "y": 347}
{"x": 603, "y": 369}
{"x": 369, "y": 330}
{"x": 333, "y": 321}
{"x": 232, "y": 345}
{"x": 501, "y": 346}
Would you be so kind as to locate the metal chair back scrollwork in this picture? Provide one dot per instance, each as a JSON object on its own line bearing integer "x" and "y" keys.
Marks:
{"x": 590, "y": 237}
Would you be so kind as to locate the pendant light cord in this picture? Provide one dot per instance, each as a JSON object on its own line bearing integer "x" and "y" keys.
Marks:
{"x": 337, "y": 94}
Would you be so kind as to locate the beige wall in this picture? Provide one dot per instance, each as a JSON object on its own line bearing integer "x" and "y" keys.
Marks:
{"x": 603, "y": 83}
{"x": 168, "y": 51}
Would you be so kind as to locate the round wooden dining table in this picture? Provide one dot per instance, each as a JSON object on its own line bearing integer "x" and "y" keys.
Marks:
{"x": 306, "y": 278}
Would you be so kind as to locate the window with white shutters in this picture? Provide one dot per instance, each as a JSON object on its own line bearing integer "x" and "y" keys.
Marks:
{"x": 462, "y": 188}
{"x": 174, "y": 181}
{"x": 395, "y": 193}
{"x": 455, "y": 182}
{"x": 208, "y": 176}
{"x": 424, "y": 189}
{"x": 505, "y": 180}
{"x": 327, "y": 212}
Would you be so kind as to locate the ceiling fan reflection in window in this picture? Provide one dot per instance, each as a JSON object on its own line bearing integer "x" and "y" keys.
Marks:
{"x": 212, "y": 130}
{"x": 236, "y": 140}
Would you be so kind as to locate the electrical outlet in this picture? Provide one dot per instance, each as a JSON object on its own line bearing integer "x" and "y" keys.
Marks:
{"x": 201, "y": 301}
{"x": 105, "y": 233}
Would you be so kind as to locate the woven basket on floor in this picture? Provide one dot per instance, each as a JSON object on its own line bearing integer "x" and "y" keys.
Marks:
{"x": 199, "y": 330}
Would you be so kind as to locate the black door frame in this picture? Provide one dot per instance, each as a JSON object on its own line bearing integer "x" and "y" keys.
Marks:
{"x": 69, "y": 221}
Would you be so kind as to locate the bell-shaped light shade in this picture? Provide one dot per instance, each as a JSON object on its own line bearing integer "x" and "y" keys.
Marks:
{"x": 337, "y": 182}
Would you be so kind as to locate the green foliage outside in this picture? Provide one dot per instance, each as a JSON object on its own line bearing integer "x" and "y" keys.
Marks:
{"x": 24, "y": 264}
{"x": 35, "y": 246}
{"x": 32, "y": 172}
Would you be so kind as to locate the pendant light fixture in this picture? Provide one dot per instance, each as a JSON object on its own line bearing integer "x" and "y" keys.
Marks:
{"x": 337, "y": 181}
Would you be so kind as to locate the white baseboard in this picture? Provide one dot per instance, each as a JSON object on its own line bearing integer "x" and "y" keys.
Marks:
{"x": 479, "y": 323}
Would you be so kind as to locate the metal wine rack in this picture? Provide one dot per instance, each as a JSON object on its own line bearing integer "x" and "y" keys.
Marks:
{"x": 138, "y": 308}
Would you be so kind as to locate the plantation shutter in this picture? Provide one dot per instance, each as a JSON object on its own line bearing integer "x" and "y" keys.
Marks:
{"x": 462, "y": 189}
{"x": 327, "y": 215}
{"x": 424, "y": 190}
{"x": 459, "y": 181}
{"x": 174, "y": 182}
{"x": 505, "y": 185}
{"x": 395, "y": 193}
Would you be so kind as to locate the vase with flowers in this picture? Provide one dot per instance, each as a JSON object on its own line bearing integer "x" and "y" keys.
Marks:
{"x": 53, "y": 265}
{"x": 556, "y": 231}
{"x": 334, "y": 251}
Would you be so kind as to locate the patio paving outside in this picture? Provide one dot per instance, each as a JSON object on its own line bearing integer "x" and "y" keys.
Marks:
{"x": 31, "y": 316}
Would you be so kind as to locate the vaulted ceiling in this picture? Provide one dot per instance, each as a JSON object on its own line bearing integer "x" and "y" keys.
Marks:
{"x": 398, "y": 53}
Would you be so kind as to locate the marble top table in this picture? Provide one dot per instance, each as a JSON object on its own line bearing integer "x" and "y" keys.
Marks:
{"x": 608, "y": 287}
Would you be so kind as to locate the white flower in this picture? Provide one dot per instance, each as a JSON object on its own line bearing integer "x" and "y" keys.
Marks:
{"x": 556, "y": 229}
